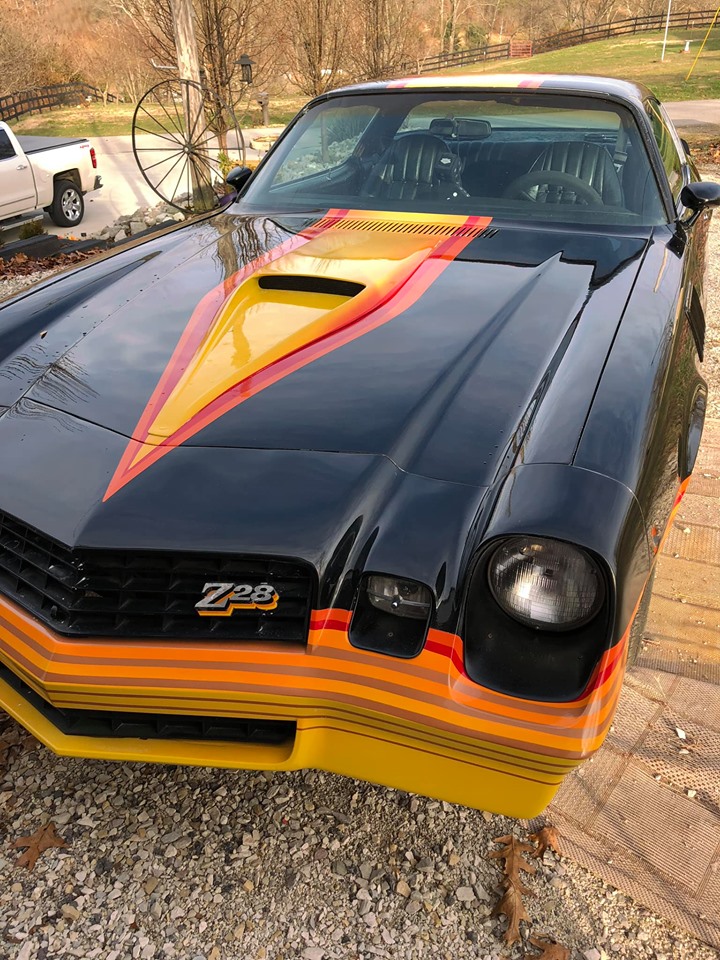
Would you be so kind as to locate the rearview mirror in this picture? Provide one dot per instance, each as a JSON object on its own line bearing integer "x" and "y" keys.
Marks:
{"x": 238, "y": 177}
{"x": 697, "y": 197}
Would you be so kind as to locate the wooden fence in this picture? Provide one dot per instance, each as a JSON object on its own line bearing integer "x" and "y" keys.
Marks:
{"x": 16, "y": 105}
{"x": 692, "y": 19}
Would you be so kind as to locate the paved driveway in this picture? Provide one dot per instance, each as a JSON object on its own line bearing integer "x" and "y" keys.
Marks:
{"x": 694, "y": 113}
{"x": 124, "y": 188}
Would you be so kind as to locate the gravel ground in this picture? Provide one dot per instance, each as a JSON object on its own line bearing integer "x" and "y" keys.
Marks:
{"x": 9, "y": 286}
{"x": 200, "y": 864}
{"x": 192, "y": 863}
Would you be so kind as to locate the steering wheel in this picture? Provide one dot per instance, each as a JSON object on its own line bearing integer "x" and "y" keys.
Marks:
{"x": 518, "y": 189}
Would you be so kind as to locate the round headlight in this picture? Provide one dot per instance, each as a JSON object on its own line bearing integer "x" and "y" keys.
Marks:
{"x": 544, "y": 583}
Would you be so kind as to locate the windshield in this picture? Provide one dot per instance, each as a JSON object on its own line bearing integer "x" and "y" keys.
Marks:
{"x": 552, "y": 158}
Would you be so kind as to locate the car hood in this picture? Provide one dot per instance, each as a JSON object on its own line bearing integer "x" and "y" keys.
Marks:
{"x": 427, "y": 341}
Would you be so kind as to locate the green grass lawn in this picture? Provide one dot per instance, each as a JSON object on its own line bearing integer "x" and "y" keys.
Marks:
{"x": 115, "y": 119}
{"x": 631, "y": 58}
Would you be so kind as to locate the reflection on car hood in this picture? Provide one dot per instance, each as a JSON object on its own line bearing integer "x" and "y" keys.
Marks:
{"x": 427, "y": 340}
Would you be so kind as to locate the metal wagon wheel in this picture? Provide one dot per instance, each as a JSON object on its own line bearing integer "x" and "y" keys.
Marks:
{"x": 177, "y": 147}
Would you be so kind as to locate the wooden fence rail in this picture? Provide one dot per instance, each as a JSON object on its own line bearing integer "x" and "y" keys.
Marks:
{"x": 692, "y": 19}
{"x": 16, "y": 105}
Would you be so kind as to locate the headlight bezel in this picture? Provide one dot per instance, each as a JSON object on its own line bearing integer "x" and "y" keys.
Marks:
{"x": 503, "y": 654}
{"x": 388, "y": 632}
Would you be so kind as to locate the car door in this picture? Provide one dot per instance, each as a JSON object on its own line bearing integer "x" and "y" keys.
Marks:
{"x": 17, "y": 184}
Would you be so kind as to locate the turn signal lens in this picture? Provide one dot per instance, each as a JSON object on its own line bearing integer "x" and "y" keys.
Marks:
{"x": 545, "y": 584}
{"x": 404, "y": 598}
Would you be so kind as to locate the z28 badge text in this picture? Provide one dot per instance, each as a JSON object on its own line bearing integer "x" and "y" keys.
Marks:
{"x": 223, "y": 599}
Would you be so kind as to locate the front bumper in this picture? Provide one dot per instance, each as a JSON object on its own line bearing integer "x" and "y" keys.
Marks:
{"x": 417, "y": 725}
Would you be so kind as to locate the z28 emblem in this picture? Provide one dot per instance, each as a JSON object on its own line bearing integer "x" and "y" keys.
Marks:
{"x": 223, "y": 599}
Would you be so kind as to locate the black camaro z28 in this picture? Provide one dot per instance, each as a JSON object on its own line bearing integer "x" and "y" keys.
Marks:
{"x": 367, "y": 471}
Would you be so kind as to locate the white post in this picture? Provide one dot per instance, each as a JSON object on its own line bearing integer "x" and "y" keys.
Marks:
{"x": 667, "y": 27}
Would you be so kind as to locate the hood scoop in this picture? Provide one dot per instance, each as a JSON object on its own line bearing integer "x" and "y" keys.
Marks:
{"x": 309, "y": 284}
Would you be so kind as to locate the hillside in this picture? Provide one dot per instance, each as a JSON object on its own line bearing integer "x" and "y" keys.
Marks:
{"x": 632, "y": 58}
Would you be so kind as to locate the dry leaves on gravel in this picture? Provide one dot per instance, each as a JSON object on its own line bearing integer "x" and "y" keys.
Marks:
{"x": 21, "y": 265}
{"x": 513, "y": 852}
{"x": 43, "y": 839}
{"x": 546, "y": 838}
{"x": 511, "y": 903}
{"x": 551, "y": 949}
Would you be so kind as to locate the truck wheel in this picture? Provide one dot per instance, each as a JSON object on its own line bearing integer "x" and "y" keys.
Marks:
{"x": 68, "y": 206}
{"x": 637, "y": 630}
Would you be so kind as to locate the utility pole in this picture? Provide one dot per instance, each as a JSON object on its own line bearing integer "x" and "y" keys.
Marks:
{"x": 189, "y": 69}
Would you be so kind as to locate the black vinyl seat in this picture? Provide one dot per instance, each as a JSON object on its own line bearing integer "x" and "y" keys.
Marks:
{"x": 490, "y": 166}
{"x": 409, "y": 168}
{"x": 585, "y": 160}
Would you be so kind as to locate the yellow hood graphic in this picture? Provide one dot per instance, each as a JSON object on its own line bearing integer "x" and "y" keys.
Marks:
{"x": 350, "y": 272}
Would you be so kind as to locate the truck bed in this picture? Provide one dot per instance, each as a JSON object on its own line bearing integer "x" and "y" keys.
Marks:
{"x": 36, "y": 144}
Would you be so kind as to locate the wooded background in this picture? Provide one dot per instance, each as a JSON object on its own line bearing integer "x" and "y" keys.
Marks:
{"x": 303, "y": 46}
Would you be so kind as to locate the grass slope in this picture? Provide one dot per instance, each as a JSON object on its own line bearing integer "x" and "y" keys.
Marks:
{"x": 115, "y": 119}
{"x": 631, "y": 58}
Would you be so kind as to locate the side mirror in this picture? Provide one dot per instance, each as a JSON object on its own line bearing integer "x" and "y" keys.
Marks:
{"x": 698, "y": 197}
{"x": 238, "y": 177}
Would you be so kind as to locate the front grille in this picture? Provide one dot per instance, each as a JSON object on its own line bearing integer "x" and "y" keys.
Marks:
{"x": 153, "y": 726}
{"x": 123, "y": 593}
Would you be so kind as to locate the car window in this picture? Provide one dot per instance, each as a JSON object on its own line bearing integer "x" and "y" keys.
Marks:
{"x": 6, "y": 148}
{"x": 327, "y": 141}
{"x": 550, "y": 157}
{"x": 665, "y": 139}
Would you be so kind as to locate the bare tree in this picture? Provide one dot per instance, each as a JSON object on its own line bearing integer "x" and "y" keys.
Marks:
{"x": 386, "y": 37}
{"x": 225, "y": 30}
{"x": 585, "y": 13}
{"x": 27, "y": 61}
{"x": 316, "y": 44}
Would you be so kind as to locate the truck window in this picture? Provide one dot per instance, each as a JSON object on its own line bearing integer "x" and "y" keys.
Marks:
{"x": 6, "y": 148}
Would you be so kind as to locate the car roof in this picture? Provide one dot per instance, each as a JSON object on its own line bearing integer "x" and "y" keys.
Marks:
{"x": 609, "y": 87}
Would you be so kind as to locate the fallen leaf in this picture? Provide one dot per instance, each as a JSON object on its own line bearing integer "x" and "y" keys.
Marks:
{"x": 512, "y": 906}
{"x": 43, "y": 839}
{"x": 547, "y": 838}
{"x": 511, "y": 903}
{"x": 681, "y": 733}
{"x": 512, "y": 853}
{"x": 551, "y": 949}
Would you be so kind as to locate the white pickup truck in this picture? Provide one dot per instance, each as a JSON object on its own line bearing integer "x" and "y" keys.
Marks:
{"x": 47, "y": 173}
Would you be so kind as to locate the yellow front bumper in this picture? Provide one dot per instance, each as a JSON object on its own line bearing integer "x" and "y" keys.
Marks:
{"x": 417, "y": 725}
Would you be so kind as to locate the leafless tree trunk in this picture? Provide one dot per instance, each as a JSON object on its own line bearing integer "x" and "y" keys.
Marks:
{"x": 317, "y": 34}
{"x": 386, "y": 37}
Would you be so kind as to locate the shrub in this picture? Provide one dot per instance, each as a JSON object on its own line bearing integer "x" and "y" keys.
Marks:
{"x": 32, "y": 229}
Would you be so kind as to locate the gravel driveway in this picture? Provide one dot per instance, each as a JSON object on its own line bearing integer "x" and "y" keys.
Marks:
{"x": 202, "y": 864}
